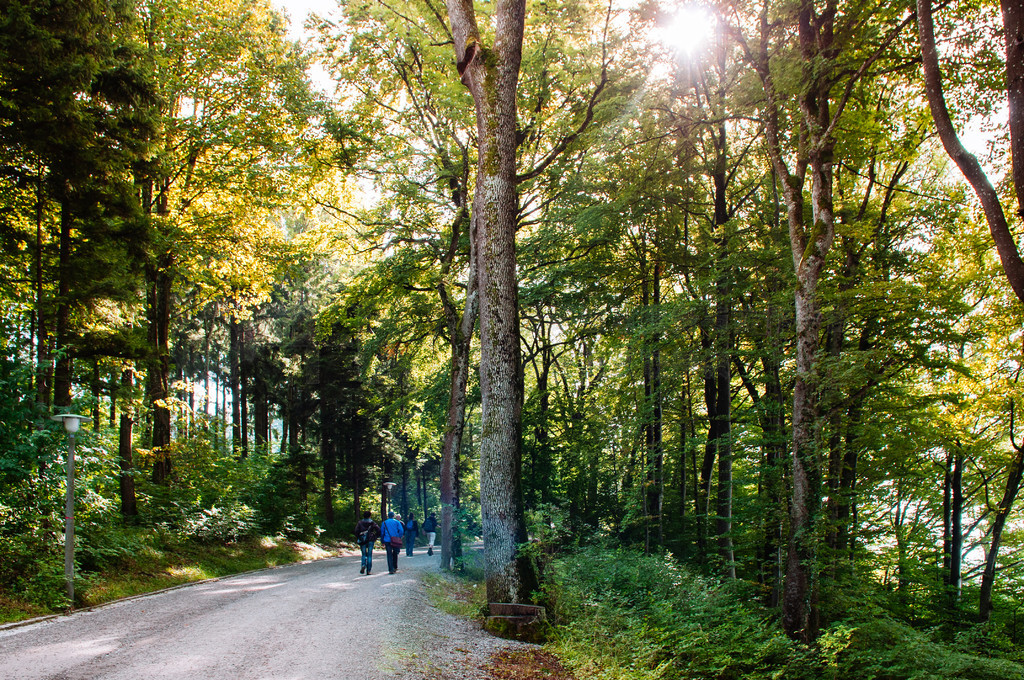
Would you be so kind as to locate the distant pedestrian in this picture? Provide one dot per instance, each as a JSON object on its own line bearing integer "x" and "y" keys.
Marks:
{"x": 430, "y": 529}
{"x": 367, "y": 532}
{"x": 391, "y": 536}
{"x": 412, "y": 529}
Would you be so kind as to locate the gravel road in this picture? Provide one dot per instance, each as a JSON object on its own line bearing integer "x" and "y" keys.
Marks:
{"x": 319, "y": 620}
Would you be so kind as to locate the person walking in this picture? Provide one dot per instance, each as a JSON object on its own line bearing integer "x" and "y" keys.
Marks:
{"x": 391, "y": 536}
{"x": 430, "y": 529}
{"x": 412, "y": 529}
{"x": 367, "y": 532}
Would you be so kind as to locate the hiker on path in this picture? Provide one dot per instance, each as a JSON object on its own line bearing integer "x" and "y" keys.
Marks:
{"x": 367, "y": 532}
{"x": 391, "y": 536}
{"x": 412, "y": 528}
{"x": 430, "y": 529}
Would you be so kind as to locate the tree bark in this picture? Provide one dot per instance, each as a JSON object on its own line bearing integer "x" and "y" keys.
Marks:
{"x": 988, "y": 576}
{"x": 158, "y": 376}
{"x": 952, "y": 526}
{"x": 62, "y": 372}
{"x": 810, "y": 245}
{"x": 234, "y": 352}
{"x": 1006, "y": 246}
{"x": 1013, "y": 34}
{"x": 244, "y": 375}
{"x": 129, "y": 506}
{"x": 42, "y": 340}
{"x": 461, "y": 334}
{"x": 491, "y": 74}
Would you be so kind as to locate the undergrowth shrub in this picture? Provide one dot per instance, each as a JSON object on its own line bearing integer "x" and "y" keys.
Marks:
{"x": 648, "y": 617}
{"x": 622, "y": 615}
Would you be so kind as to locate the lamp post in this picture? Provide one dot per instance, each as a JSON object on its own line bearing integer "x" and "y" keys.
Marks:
{"x": 71, "y": 424}
{"x": 387, "y": 497}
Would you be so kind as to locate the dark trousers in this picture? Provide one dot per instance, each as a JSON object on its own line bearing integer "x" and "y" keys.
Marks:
{"x": 393, "y": 551}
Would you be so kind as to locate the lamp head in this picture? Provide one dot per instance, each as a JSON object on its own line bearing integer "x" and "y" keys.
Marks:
{"x": 71, "y": 421}
{"x": 390, "y": 485}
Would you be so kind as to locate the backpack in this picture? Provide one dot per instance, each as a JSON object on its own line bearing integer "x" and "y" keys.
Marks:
{"x": 411, "y": 525}
{"x": 366, "y": 535}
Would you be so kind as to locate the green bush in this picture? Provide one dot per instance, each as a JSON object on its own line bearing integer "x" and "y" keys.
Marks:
{"x": 888, "y": 650}
{"x": 622, "y": 615}
{"x": 647, "y": 616}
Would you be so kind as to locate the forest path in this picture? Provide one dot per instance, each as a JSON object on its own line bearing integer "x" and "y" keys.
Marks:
{"x": 316, "y": 620}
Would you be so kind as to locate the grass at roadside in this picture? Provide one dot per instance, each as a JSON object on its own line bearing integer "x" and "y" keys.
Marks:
{"x": 163, "y": 564}
{"x": 463, "y": 595}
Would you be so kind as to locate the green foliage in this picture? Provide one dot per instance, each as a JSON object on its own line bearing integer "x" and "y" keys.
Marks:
{"x": 885, "y": 649}
{"x": 31, "y": 493}
{"x": 620, "y": 614}
{"x": 214, "y": 497}
{"x": 642, "y": 616}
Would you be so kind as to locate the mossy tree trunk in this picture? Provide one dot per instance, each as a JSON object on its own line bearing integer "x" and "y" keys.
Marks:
{"x": 491, "y": 72}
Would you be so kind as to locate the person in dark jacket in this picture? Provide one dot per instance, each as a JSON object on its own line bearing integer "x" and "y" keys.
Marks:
{"x": 367, "y": 532}
{"x": 412, "y": 528}
{"x": 392, "y": 528}
{"x": 430, "y": 529}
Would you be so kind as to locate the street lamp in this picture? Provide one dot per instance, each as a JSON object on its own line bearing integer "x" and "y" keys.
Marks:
{"x": 71, "y": 424}
{"x": 387, "y": 501}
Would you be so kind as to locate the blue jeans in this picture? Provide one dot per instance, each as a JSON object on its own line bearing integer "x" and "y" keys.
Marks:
{"x": 410, "y": 541}
{"x": 367, "y": 561}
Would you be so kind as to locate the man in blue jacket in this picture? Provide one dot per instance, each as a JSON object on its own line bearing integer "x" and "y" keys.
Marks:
{"x": 390, "y": 529}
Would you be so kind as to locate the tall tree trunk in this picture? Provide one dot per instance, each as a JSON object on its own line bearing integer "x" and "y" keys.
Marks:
{"x": 460, "y": 333}
{"x": 234, "y": 351}
{"x": 774, "y": 428}
{"x": 685, "y": 423}
{"x": 261, "y": 403}
{"x": 722, "y": 340}
{"x": 96, "y": 387}
{"x": 1006, "y": 245}
{"x": 657, "y": 412}
{"x": 1013, "y": 24}
{"x": 652, "y": 417}
{"x": 810, "y": 245}
{"x": 129, "y": 506}
{"x": 62, "y": 372}
{"x": 244, "y": 373}
{"x": 491, "y": 74}
{"x": 952, "y": 525}
{"x": 207, "y": 332}
{"x": 42, "y": 341}
{"x": 702, "y": 494}
{"x": 158, "y": 299}
{"x": 328, "y": 436}
{"x": 988, "y": 576}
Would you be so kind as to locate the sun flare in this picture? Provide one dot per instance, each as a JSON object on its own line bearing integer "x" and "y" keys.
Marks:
{"x": 689, "y": 30}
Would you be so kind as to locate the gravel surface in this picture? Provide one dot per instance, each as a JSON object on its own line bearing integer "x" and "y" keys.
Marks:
{"x": 435, "y": 645}
{"x": 316, "y": 620}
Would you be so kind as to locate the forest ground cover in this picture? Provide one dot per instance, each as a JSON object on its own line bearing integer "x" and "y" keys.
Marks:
{"x": 620, "y": 615}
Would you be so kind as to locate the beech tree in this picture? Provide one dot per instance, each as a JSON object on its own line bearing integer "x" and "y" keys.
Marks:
{"x": 995, "y": 216}
{"x": 832, "y": 63}
{"x": 491, "y": 72}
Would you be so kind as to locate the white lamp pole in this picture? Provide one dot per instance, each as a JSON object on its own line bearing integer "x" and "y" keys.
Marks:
{"x": 71, "y": 424}
{"x": 389, "y": 486}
